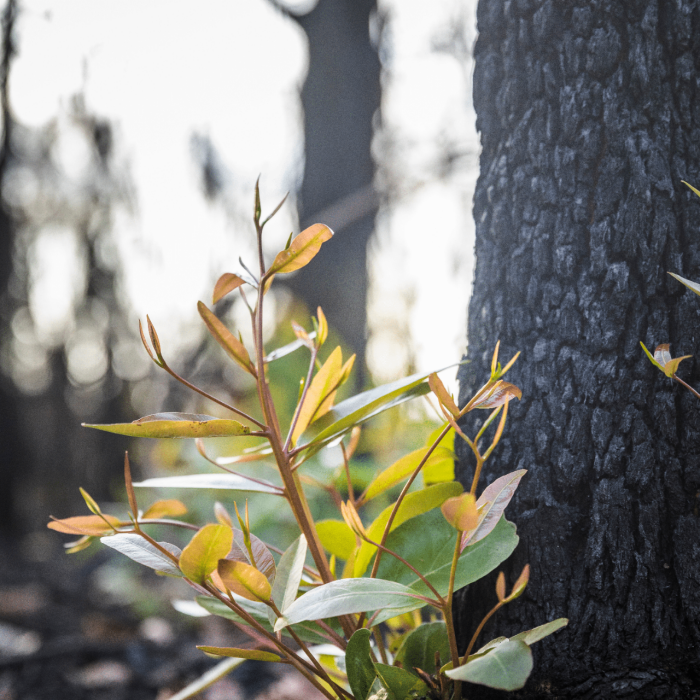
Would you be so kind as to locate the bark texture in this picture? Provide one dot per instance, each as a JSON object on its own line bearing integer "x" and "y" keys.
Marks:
{"x": 589, "y": 114}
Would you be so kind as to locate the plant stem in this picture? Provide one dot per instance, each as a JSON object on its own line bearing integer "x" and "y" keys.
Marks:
{"x": 449, "y": 621}
{"x": 478, "y": 631}
{"x": 687, "y": 386}
{"x": 297, "y": 412}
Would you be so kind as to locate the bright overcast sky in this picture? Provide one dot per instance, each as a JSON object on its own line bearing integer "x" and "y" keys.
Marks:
{"x": 230, "y": 70}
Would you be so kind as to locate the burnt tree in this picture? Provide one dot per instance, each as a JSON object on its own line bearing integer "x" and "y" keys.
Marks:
{"x": 340, "y": 97}
{"x": 589, "y": 114}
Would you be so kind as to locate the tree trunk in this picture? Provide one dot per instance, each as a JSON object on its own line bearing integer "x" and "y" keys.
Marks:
{"x": 589, "y": 114}
{"x": 340, "y": 98}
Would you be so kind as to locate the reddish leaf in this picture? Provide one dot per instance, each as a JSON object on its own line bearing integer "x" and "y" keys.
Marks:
{"x": 225, "y": 285}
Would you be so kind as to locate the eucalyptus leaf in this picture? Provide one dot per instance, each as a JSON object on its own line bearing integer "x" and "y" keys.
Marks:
{"x": 534, "y": 635}
{"x": 223, "y": 668}
{"x": 427, "y": 543}
{"x": 176, "y": 425}
{"x": 404, "y": 685}
{"x": 379, "y": 691}
{"x": 504, "y": 667}
{"x": 140, "y": 550}
{"x": 209, "y": 481}
{"x": 288, "y": 578}
{"x": 419, "y": 647}
{"x": 344, "y": 597}
{"x": 358, "y": 663}
{"x": 693, "y": 286}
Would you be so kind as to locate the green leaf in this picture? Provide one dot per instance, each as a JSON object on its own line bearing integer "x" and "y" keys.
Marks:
{"x": 288, "y": 578}
{"x": 301, "y": 250}
{"x": 244, "y": 579}
{"x": 357, "y": 409}
{"x": 337, "y": 538}
{"x": 209, "y": 481}
{"x": 350, "y": 595}
{"x": 534, "y": 635}
{"x": 401, "y": 683}
{"x": 307, "y": 631}
{"x": 414, "y": 504}
{"x": 492, "y": 502}
{"x": 233, "y": 347}
{"x": 419, "y": 647}
{"x": 207, "y": 679}
{"x": 358, "y": 663}
{"x": 176, "y": 425}
{"x": 427, "y": 543}
{"x": 693, "y": 286}
{"x": 505, "y": 667}
{"x": 140, "y": 550}
{"x": 379, "y": 691}
{"x": 201, "y": 556}
{"x": 233, "y": 652}
{"x": 405, "y": 466}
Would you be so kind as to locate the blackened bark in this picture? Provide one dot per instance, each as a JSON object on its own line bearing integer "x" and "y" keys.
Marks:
{"x": 340, "y": 98}
{"x": 589, "y": 114}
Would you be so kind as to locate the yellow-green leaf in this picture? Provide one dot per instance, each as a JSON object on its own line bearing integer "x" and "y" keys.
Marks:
{"x": 693, "y": 286}
{"x": 414, "y": 504}
{"x": 404, "y": 467}
{"x": 461, "y": 512}
{"x": 234, "y": 653}
{"x": 223, "y": 336}
{"x": 176, "y": 425}
{"x": 92, "y": 525}
{"x": 165, "y": 509}
{"x": 202, "y": 554}
{"x": 444, "y": 397}
{"x": 244, "y": 580}
{"x": 697, "y": 192}
{"x": 225, "y": 285}
{"x": 337, "y": 538}
{"x": 301, "y": 250}
{"x": 321, "y": 392}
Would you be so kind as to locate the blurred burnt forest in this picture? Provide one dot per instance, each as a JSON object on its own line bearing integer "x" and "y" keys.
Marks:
{"x": 83, "y": 371}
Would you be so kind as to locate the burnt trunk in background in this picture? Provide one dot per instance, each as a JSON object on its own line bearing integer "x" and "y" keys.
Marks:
{"x": 589, "y": 114}
{"x": 340, "y": 97}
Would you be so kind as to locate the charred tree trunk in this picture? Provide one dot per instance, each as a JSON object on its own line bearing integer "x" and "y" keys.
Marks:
{"x": 589, "y": 114}
{"x": 340, "y": 98}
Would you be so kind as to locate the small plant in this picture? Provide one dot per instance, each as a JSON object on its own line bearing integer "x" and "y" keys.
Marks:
{"x": 356, "y": 630}
{"x": 662, "y": 355}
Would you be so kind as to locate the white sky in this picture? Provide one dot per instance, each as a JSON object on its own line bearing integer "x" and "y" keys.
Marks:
{"x": 231, "y": 69}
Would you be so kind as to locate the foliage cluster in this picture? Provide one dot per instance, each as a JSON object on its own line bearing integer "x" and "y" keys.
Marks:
{"x": 342, "y": 604}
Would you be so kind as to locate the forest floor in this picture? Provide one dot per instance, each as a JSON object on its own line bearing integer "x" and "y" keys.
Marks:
{"x": 86, "y": 627}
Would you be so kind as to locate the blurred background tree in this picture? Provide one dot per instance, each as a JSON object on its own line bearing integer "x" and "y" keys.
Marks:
{"x": 119, "y": 156}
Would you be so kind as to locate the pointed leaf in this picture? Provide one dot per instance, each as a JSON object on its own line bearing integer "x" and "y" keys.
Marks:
{"x": 201, "y": 556}
{"x": 234, "y": 348}
{"x": 301, "y": 250}
{"x": 307, "y": 631}
{"x": 209, "y": 481}
{"x": 165, "y": 509}
{"x": 501, "y": 392}
{"x": 320, "y": 394}
{"x": 351, "y": 595}
{"x": 427, "y": 543}
{"x": 288, "y": 578}
{"x": 137, "y": 548}
{"x": 176, "y": 425}
{"x": 663, "y": 360}
{"x": 651, "y": 357}
{"x": 414, "y": 504}
{"x": 697, "y": 192}
{"x": 534, "y": 635}
{"x": 505, "y": 667}
{"x": 439, "y": 389}
{"x": 357, "y": 409}
{"x": 92, "y": 525}
{"x": 693, "y": 286}
{"x": 225, "y": 285}
{"x": 337, "y": 538}
{"x": 419, "y": 647}
{"x": 223, "y": 668}
{"x": 264, "y": 562}
{"x": 244, "y": 579}
{"x": 233, "y": 652}
{"x": 491, "y": 504}
{"x": 401, "y": 683}
{"x": 405, "y": 466}
{"x": 358, "y": 663}
{"x": 287, "y": 349}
